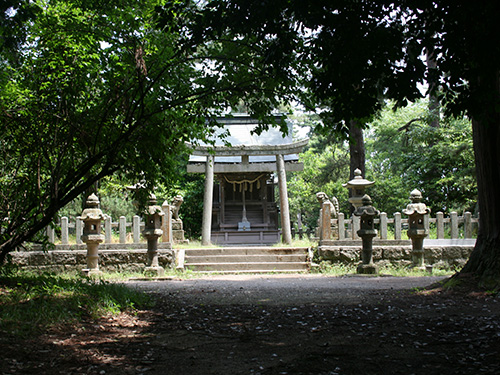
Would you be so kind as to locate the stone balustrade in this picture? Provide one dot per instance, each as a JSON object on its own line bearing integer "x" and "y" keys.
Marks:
{"x": 440, "y": 227}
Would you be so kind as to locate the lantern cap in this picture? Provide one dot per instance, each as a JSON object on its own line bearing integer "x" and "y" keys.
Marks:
{"x": 366, "y": 209}
{"x": 358, "y": 181}
{"x": 416, "y": 206}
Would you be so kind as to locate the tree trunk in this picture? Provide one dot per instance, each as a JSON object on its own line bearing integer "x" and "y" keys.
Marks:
{"x": 356, "y": 153}
{"x": 433, "y": 82}
{"x": 484, "y": 261}
{"x": 356, "y": 149}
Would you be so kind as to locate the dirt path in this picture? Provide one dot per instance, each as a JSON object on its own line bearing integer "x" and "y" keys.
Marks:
{"x": 279, "y": 324}
{"x": 280, "y": 289}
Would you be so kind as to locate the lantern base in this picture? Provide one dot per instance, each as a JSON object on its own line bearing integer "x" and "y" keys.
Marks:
{"x": 367, "y": 269}
{"x": 154, "y": 271}
{"x": 91, "y": 272}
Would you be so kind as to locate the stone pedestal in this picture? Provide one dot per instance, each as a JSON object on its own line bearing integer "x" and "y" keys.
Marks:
{"x": 417, "y": 254}
{"x": 92, "y": 241}
{"x": 367, "y": 266}
{"x": 178, "y": 232}
{"x": 152, "y": 268}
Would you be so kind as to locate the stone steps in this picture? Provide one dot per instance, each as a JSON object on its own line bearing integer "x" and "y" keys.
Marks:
{"x": 248, "y": 259}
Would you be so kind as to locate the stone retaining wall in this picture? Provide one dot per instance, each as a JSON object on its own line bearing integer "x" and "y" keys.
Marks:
{"x": 110, "y": 260}
{"x": 437, "y": 256}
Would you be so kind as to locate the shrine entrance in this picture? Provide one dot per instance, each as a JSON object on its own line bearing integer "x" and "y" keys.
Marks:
{"x": 244, "y": 209}
{"x": 239, "y": 203}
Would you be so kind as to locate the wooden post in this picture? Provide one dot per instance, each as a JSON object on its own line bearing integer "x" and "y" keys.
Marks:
{"x": 285, "y": 213}
{"x": 206, "y": 227}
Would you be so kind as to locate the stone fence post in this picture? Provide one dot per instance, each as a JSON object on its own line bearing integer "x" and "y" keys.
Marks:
{"x": 439, "y": 225}
{"x": 51, "y": 234}
{"x": 166, "y": 223}
{"x": 325, "y": 229}
{"x": 356, "y": 225}
{"x": 123, "y": 229}
{"x": 107, "y": 230}
{"x": 454, "y": 225}
{"x": 383, "y": 225}
{"x": 64, "y": 230}
{"x": 397, "y": 226}
{"x": 79, "y": 230}
{"x": 341, "y": 226}
{"x": 467, "y": 225}
{"x": 136, "y": 229}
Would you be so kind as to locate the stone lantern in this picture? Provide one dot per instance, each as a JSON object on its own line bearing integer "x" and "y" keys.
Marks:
{"x": 152, "y": 231}
{"x": 358, "y": 186}
{"x": 367, "y": 214}
{"x": 92, "y": 217}
{"x": 416, "y": 211}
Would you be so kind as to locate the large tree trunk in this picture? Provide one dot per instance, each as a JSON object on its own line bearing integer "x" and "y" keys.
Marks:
{"x": 485, "y": 259}
{"x": 356, "y": 149}
{"x": 357, "y": 156}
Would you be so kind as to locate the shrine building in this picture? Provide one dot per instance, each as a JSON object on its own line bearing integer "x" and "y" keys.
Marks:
{"x": 239, "y": 204}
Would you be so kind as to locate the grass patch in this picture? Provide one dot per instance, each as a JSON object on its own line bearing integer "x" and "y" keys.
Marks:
{"x": 31, "y": 302}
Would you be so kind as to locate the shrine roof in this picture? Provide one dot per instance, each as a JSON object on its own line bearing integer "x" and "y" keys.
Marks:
{"x": 260, "y": 148}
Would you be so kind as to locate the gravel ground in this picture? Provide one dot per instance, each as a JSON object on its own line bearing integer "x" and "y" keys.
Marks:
{"x": 280, "y": 289}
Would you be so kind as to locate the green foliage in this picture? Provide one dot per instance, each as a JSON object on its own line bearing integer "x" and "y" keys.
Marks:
{"x": 405, "y": 153}
{"x": 326, "y": 167}
{"x": 32, "y": 302}
{"x": 92, "y": 89}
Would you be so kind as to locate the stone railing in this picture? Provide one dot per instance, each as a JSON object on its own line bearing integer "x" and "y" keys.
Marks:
{"x": 440, "y": 227}
{"x": 128, "y": 232}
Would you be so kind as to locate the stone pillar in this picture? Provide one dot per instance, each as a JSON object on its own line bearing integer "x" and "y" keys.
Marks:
{"x": 285, "y": 213}
{"x": 325, "y": 229}
{"x": 467, "y": 225}
{"x": 136, "y": 229}
{"x": 78, "y": 231}
{"x": 108, "y": 238}
{"x": 440, "y": 225}
{"x": 454, "y": 225}
{"x": 383, "y": 225}
{"x": 51, "y": 234}
{"x": 64, "y": 230}
{"x": 206, "y": 226}
{"x": 356, "y": 224}
{"x": 166, "y": 225}
{"x": 341, "y": 226}
{"x": 122, "y": 228}
{"x": 397, "y": 226}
